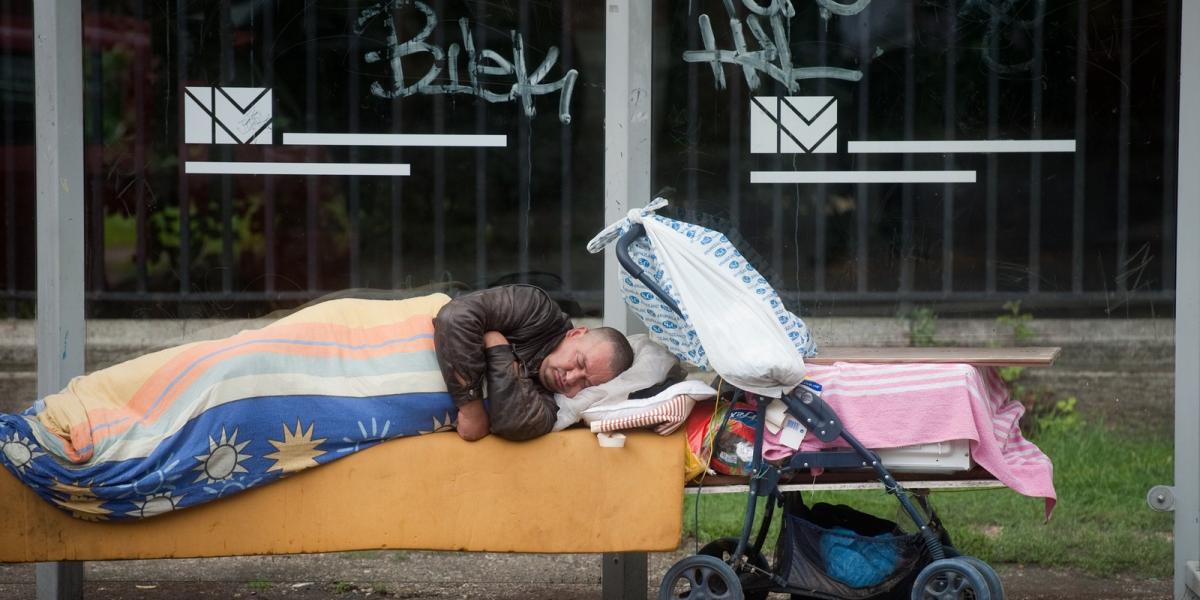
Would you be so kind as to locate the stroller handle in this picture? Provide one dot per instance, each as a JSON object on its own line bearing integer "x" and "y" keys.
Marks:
{"x": 636, "y": 231}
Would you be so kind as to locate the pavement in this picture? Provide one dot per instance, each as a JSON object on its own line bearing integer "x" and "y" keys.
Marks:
{"x": 442, "y": 575}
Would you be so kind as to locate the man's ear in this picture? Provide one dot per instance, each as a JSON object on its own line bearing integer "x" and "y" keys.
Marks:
{"x": 581, "y": 330}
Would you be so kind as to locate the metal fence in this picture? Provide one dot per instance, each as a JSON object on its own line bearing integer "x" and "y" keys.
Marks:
{"x": 165, "y": 243}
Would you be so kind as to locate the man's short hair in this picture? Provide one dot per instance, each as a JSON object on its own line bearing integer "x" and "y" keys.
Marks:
{"x": 622, "y": 357}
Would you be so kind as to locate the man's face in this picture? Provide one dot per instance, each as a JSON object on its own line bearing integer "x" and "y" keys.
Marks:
{"x": 579, "y": 361}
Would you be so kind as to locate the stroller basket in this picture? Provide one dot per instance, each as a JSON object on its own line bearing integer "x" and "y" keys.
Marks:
{"x": 835, "y": 551}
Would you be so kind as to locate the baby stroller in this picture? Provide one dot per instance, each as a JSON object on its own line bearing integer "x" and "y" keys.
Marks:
{"x": 826, "y": 552}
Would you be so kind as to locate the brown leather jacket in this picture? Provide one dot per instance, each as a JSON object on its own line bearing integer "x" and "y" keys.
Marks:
{"x": 519, "y": 407}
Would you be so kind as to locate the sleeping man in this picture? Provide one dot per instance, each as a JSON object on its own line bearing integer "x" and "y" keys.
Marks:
{"x": 516, "y": 340}
{"x": 203, "y": 420}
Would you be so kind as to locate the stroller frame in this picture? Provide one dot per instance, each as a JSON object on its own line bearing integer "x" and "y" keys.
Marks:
{"x": 969, "y": 580}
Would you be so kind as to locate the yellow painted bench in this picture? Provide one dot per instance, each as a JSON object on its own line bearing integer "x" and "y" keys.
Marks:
{"x": 558, "y": 493}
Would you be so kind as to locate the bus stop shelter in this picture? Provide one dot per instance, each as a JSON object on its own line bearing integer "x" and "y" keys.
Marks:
{"x": 627, "y": 175}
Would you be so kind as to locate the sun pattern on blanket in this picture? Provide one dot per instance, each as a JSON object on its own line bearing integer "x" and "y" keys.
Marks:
{"x": 198, "y": 422}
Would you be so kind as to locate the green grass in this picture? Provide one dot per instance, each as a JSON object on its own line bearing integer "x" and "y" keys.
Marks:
{"x": 260, "y": 585}
{"x": 1101, "y": 524}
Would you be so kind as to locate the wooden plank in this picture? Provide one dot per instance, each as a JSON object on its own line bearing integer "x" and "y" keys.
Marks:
{"x": 853, "y": 479}
{"x": 831, "y": 476}
{"x": 983, "y": 357}
{"x": 929, "y": 484}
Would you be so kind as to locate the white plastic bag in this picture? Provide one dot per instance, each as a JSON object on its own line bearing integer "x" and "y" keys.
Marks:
{"x": 733, "y": 323}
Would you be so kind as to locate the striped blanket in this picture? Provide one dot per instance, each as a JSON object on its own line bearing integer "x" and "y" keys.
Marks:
{"x": 204, "y": 420}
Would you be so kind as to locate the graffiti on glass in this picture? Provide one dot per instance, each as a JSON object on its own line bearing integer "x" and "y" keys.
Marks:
{"x": 479, "y": 63}
{"x": 773, "y": 57}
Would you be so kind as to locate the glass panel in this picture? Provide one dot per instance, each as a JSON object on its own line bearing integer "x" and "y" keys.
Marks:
{"x": 836, "y": 93}
{"x": 18, "y": 259}
{"x": 18, "y": 267}
{"x": 245, "y": 158}
{"x": 515, "y": 88}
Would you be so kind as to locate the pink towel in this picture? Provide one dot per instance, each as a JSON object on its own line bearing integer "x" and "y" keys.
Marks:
{"x": 886, "y": 406}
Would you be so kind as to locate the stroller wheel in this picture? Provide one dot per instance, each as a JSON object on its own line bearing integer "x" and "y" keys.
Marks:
{"x": 700, "y": 577}
{"x": 950, "y": 579}
{"x": 755, "y": 585}
{"x": 995, "y": 588}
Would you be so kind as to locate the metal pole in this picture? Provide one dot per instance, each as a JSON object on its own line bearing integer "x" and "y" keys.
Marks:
{"x": 950, "y": 126}
{"x": 907, "y": 250}
{"x": 1123, "y": 136}
{"x": 58, "y": 88}
{"x": 626, "y": 130}
{"x": 992, "y": 206}
{"x": 1187, "y": 319}
{"x": 10, "y": 183}
{"x": 627, "y": 113}
{"x": 1035, "y": 161}
{"x": 1080, "y": 180}
{"x": 566, "y": 164}
{"x": 1170, "y": 146}
{"x": 862, "y": 192}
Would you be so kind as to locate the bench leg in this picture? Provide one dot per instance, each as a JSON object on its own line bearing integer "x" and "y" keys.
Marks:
{"x": 623, "y": 576}
{"x": 60, "y": 580}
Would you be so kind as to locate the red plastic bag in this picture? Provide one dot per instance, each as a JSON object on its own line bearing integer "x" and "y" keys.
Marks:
{"x": 734, "y": 448}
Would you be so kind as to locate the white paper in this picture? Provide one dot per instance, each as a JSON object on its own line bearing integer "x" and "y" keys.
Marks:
{"x": 776, "y": 413}
{"x": 793, "y": 433}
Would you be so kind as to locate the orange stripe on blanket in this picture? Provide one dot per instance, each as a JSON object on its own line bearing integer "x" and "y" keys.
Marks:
{"x": 309, "y": 332}
{"x": 81, "y": 437}
{"x": 199, "y": 359}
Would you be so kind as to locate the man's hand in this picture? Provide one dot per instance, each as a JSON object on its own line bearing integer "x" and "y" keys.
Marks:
{"x": 494, "y": 338}
{"x": 473, "y": 423}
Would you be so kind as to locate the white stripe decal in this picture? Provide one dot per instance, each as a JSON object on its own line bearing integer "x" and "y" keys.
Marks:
{"x": 395, "y": 139}
{"x": 195, "y": 167}
{"x": 862, "y": 176}
{"x": 959, "y": 146}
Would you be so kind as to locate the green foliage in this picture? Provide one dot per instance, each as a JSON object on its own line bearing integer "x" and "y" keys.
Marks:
{"x": 1101, "y": 524}
{"x": 1047, "y": 416}
{"x": 1017, "y": 322}
{"x": 259, "y": 584}
{"x": 1012, "y": 377}
{"x": 922, "y": 326}
{"x": 1043, "y": 412}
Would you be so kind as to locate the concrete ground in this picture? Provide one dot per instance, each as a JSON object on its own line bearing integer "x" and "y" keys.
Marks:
{"x": 398, "y": 574}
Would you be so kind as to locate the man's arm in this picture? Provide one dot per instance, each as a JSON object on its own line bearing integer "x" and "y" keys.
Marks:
{"x": 473, "y": 422}
{"x": 459, "y": 336}
{"x": 521, "y": 410}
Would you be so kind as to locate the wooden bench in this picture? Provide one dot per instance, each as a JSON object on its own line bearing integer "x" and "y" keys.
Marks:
{"x": 558, "y": 494}
{"x": 975, "y": 478}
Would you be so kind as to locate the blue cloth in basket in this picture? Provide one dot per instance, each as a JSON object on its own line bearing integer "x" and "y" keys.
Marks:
{"x": 855, "y": 560}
